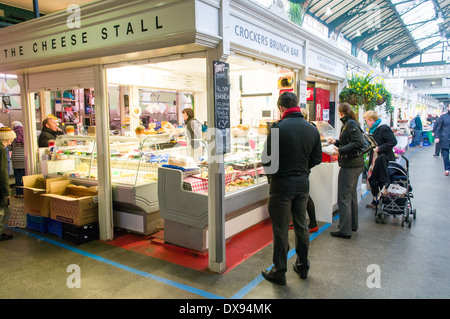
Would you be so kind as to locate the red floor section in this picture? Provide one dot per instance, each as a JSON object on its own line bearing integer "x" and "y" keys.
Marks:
{"x": 238, "y": 248}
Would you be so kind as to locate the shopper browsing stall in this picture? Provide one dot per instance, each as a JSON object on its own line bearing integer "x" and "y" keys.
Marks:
{"x": 443, "y": 138}
{"x": 437, "y": 147}
{"x": 352, "y": 165}
{"x": 299, "y": 150}
{"x": 385, "y": 138}
{"x": 7, "y": 135}
{"x": 416, "y": 124}
{"x": 18, "y": 157}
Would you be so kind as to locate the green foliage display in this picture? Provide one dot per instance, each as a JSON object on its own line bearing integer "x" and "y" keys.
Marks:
{"x": 367, "y": 91}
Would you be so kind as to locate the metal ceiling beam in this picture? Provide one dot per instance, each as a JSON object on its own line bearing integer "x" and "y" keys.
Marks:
{"x": 388, "y": 18}
{"x": 406, "y": 28}
{"x": 392, "y": 41}
{"x": 420, "y": 52}
{"x": 374, "y": 30}
{"x": 423, "y": 64}
{"x": 350, "y": 14}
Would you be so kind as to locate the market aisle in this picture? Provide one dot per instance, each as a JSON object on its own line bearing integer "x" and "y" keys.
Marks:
{"x": 413, "y": 262}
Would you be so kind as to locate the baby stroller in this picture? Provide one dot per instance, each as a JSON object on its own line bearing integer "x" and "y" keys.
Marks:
{"x": 395, "y": 199}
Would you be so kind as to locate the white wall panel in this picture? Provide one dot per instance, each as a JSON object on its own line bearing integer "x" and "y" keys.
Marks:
{"x": 61, "y": 80}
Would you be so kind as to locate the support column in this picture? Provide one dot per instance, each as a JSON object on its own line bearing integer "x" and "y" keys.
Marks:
{"x": 216, "y": 182}
{"x": 29, "y": 127}
{"x": 105, "y": 205}
{"x": 395, "y": 113}
{"x": 216, "y": 170}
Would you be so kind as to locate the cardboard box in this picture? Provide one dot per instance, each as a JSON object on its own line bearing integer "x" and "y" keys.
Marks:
{"x": 72, "y": 204}
{"x": 91, "y": 131}
{"x": 33, "y": 187}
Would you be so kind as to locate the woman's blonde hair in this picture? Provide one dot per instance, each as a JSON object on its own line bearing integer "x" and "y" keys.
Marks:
{"x": 371, "y": 115}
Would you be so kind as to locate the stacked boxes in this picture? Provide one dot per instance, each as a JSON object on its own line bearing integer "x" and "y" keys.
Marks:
{"x": 61, "y": 208}
{"x": 33, "y": 187}
{"x": 36, "y": 206}
{"x": 72, "y": 204}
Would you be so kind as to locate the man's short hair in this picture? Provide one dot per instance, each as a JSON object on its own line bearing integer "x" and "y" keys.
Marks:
{"x": 45, "y": 122}
{"x": 287, "y": 100}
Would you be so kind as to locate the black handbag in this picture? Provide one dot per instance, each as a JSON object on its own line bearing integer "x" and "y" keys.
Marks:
{"x": 369, "y": 144}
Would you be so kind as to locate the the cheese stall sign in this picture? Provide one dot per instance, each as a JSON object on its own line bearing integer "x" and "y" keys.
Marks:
{"x": 140, "y": 27}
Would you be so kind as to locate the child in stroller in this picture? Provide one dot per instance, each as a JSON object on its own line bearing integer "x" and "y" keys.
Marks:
{"x": 395, "y": 198}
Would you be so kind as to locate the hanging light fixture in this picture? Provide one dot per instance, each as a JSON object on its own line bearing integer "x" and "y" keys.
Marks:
{"x": 388, "y": 58}
{"x": 358, "y": 33}
{"x": 328, "y": 12}
{"x": 376, "y": 48}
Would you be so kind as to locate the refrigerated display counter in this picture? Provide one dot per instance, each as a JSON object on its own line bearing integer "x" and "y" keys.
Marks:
{"x": 183, "y": 196}
{"x": 323, "y": 177}
{"x": 134, "y": 165}
{"x": 185, "y": 212}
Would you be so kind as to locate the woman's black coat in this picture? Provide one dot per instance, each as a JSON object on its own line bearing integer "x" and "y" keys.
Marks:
{"x": 350, "y": 140}
{"x": 386, "y": 141}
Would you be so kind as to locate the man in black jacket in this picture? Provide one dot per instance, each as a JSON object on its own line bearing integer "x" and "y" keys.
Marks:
{"x": 50, "y": 132}
{"x": 299, "y": 150}
{"x": 443, "y": 138}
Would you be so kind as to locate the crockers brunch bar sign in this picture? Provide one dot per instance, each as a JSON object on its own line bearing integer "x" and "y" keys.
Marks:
{"x": 249, "y": 35}
{"x": 139, "y": 27}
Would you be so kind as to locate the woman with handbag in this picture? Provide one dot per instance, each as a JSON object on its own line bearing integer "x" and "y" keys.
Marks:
{"x": 351, "y": 162}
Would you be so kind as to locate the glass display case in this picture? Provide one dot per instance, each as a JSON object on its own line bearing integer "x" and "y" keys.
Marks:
{"x": 134, "y": 165}
{"x": 243, "y": 167}
{"x": 134, "y": 160}
{"x": 245, "y": 202}
{"x": 325, "y": 131}
{"x": 323, "y": 177}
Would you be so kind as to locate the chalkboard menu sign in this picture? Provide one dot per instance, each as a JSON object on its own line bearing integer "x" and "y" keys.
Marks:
{"x": 222, "y": 107}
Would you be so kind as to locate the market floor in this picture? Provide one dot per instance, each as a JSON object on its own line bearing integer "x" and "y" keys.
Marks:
{"x": 379, "y": 261}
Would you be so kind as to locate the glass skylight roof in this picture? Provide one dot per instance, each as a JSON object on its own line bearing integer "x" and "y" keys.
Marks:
{"x": 421, "y": 21}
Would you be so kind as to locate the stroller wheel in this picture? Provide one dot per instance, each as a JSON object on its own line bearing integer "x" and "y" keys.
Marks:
{"x": 383, "y": 218}
{"x": 414, "y": 213}
{"x": 409, "y": 223}
{"x": 403, "y": 221}
{"x": 378, "y": 218}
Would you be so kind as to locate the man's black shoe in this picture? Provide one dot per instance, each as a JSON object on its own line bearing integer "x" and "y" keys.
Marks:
{"x": 4, "y": 236}
{"x": 275, "y": 277}
{"x": 301, "y": 270}
{"x": 338, "y": 234}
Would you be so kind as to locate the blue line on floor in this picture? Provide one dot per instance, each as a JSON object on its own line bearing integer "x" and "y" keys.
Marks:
{"x": 241, "y": 293}
{"x": 247, "y": 288}
{"x": 123, "y": 267}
